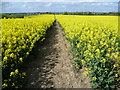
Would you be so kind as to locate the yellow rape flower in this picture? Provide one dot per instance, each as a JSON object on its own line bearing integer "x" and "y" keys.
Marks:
{"x": 94, "y": 78}
{"x": 21, "y": 59}
{"x": 77, "y": 66}
{"x": 24, "y": 74}
{"x": 98, "y": 51}
{"x": 116, "y": 75}
{"x": 13, "y": 84}
{"x": 12, "y": 55}
{"x": 86, "y": 69}
{"x": 95, "y": 66}
{"x": 83, "y": 62}
{"x": 16, "y": 71}
{"x": 12, "y": 73}
{"x": 78, "y": 45}
{"x": 5, "y": 85}
{"x": 103, "y": 61}
{"x": 108, "y": 55}
{"x": 116, "y": 65}
{"x": 27, "y": 53}
{"x": 85, "y": 73}
{"x": 5, "y": 58}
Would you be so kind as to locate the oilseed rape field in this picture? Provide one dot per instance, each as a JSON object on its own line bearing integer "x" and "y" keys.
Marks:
{"x": 95, "y": 46}
{"x": 18, "y": 39}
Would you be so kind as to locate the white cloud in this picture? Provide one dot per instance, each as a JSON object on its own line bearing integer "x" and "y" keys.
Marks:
{"x": 48, "y": 5}
{"x": 102, "y": 3}
{"x": 24, "y": 5}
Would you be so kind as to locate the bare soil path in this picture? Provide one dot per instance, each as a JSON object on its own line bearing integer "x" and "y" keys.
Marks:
{"x": 52, "y": 67}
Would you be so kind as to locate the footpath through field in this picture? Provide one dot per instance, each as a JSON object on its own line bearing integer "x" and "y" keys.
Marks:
{"x": 52, "y": 67}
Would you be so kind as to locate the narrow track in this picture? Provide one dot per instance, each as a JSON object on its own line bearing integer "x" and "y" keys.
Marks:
{"x": 53, "y": 65}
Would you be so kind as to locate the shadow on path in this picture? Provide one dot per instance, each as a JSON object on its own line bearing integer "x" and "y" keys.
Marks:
{"x": 39, "y": 68}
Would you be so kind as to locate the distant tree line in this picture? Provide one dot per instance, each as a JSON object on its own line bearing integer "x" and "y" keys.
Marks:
{"x": 21, "y": 15}
{"x": 90, "y": 13}
{"x": 6, "y": 15}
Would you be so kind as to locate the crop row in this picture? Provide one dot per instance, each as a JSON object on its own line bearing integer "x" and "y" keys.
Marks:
{"x": 95, "y": 46}
{"x": 18, "y": 39}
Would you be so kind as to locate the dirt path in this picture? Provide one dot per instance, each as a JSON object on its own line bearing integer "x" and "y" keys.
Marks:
{"x": 52, "y": 67}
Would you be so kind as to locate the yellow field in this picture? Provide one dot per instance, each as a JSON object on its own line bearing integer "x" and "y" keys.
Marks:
{"x": 18, "y": 39}
{"x": 95, "y": 45}
{"x": 94, "y": 40}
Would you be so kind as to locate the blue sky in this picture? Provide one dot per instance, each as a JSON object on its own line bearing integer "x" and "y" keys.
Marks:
{"x": 60, "y": 0}
{"x": 18, "y": 6}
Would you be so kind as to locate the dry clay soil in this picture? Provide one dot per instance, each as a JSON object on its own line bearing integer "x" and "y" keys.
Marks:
{"x": 52, "y": 66}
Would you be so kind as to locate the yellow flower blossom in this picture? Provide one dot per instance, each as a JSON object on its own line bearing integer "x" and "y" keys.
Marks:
{"x": 103, "y": 61}
{"x": 116, "y": 75}
{"x": 12, "y": 73}
{"x": 83, "y": 62}
{"x": 94, "y": 78}
{"x": 16, "y": 71}
{"x": 116, "y": 65}
{"x": 5, "y": 85}
{"x": 86, "y": 73}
